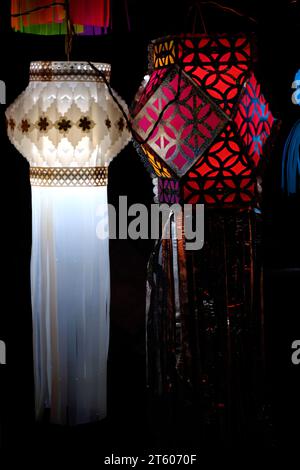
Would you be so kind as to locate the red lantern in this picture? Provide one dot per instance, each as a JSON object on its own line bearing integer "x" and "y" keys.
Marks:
{"x": 202, "y": 120}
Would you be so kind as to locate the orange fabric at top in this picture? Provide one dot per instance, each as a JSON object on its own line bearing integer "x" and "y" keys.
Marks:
{"x": 83, "y": 12}
{"x": 47, "y": 15}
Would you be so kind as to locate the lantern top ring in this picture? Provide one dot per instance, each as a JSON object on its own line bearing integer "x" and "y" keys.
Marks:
{"x": 68, "y": 71}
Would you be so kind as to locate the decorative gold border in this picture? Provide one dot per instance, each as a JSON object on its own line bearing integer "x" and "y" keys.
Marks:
{"x": 68, "y": 71}
{"x": 68, "y": 176}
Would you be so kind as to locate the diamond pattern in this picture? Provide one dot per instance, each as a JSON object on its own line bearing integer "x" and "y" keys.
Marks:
{"x": 168, "y": 191}
{"x": 210, "y": 138}
{"x": 224, "y": 174}
{"x": 253, "y": 119}
{"x": 188, "y": 126}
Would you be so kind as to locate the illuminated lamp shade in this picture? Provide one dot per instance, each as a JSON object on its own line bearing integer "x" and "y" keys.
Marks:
{"x": 68, "y": 127}
{"x": 201, "y": 124}
{"x": 212, "y": 121}
{"x": 92, "y": 17}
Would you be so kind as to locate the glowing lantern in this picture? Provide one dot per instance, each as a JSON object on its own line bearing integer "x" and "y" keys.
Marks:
{"x": 213, "y": 120}
{"x": 67, "y": 125}
{"x": 201, "y": 124}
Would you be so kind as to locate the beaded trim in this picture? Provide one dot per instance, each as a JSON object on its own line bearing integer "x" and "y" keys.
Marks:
{"x": 68, "y": 176}
{"x": 72, "y": 71}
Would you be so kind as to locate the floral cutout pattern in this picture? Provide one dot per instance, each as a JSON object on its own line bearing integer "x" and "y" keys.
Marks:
{"x": 121, "y": 124}
{"x": 63, "y": 125}
{"x": 12, "y": 124}
{"x": 43, "y": 124}
{"x": 25, "y": 126}
{"x": 107, "y": 123}
{"x": 85, "y": 124}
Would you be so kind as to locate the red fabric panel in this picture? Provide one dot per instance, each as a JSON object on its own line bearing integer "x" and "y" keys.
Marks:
{"x": 90, "y": 12}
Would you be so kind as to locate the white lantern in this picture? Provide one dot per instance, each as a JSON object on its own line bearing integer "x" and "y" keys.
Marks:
{"x": 67, "y": 125}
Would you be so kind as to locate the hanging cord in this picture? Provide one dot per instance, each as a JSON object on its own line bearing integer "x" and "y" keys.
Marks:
{"x": 69, "y": 26}
{"x": 201, "y": 17}
{"x": 70, "y": 30}
{"x": 127, "y": 16}
{"x": 129, "y": 126}
{"x": 196, "y": 10}
{"x": 228, "y": 9}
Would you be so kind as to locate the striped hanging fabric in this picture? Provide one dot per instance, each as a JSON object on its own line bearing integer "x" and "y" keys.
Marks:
{"x": 90, "y": 17}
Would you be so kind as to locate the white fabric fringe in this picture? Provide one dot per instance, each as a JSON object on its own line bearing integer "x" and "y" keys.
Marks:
{"x": 70, "y": 279}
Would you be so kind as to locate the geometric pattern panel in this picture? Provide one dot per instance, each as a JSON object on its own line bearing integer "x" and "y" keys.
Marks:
{"x": 164, "y": 53}
{"x": 146, "y": 89}
{"x": 168, "y": 191}
{"x": 189, "y": 124}
{"x": 224, "y": 85}
{"x": 215, "y": 50}
{"x": 201, "y": 49}
{"x": 224, "y": 174}
{"x": 158, "y": 165}
{"x": 64, "y": 121}
{"x": 45, "y": 176}
{"x": 191, "y": 78}
{"x": 253, "y": 119}
{"x": 218, "y": 64}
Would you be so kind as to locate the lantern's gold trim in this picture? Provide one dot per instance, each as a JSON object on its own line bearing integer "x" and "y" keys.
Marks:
{"x": 68, "y": 71}
{"x": 69, "y": 176}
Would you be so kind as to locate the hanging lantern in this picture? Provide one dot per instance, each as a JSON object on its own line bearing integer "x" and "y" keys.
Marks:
{"x": 92, "y": 17}
{"x": 201, "y": 123}
{"x": 214, "y": 123}
{"x": 68, "y": 127}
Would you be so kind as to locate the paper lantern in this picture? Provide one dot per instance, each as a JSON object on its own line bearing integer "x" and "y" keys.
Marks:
{"x": 213, "y": 120}
{"x": 92, "y": 17}
{"x": 201, "y": 124}
{"x": 67, "y": 125}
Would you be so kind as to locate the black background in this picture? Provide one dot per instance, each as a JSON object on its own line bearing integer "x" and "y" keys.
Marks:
{"x": 125, "y": 430}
